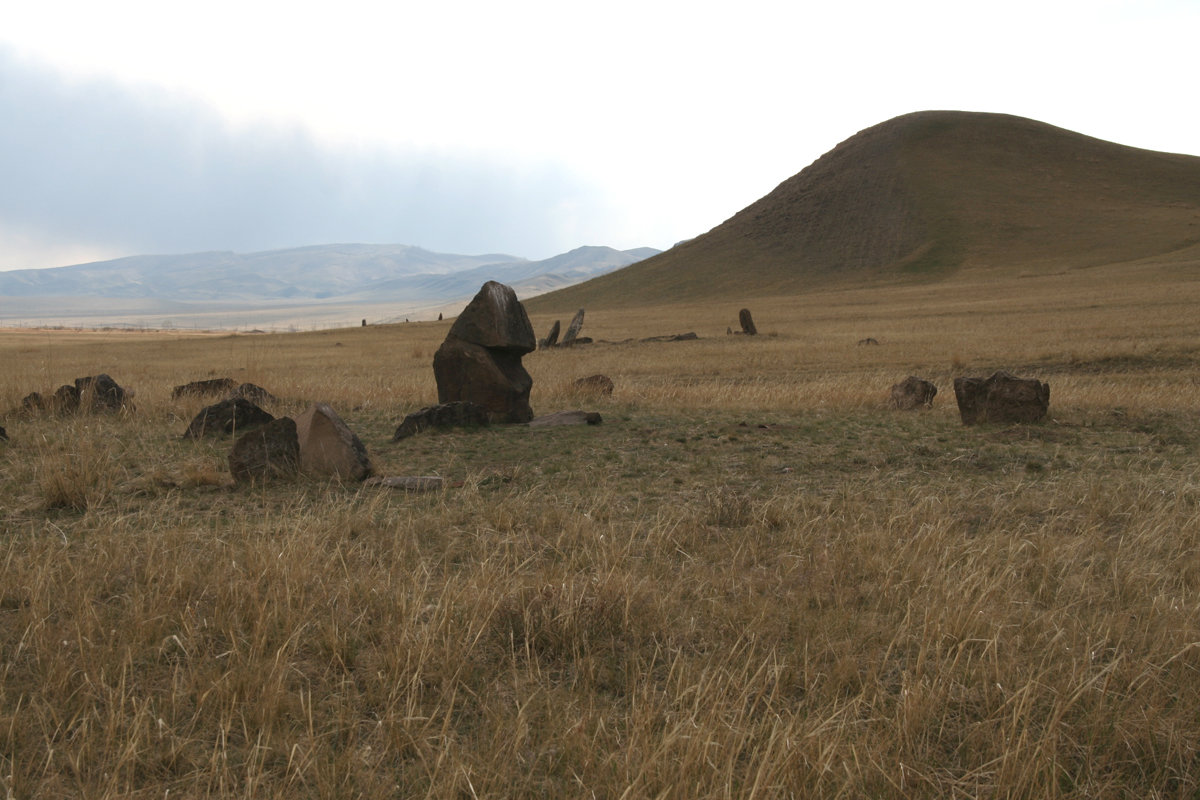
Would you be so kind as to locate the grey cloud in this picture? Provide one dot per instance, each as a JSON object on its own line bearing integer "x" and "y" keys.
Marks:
{"x": 150, "y": 172}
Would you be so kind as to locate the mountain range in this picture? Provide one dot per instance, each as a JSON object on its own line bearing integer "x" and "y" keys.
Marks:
{"x": 922, "y": 197}
{"x": 408, "y": 278}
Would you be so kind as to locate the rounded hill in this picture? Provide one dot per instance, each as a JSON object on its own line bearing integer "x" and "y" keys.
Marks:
{"x": 919, "y": 197}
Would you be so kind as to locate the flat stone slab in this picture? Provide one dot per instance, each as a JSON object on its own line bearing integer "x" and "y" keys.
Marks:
{"x": 408, "y": 483}
{"x": 559, "y": 418}
{"x": 457, "y": 414}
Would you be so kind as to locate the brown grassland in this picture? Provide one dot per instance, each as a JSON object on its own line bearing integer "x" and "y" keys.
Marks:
{"x": 752, "y": 580}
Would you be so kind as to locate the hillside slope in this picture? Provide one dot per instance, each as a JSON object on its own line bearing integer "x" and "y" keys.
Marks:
{"x": 920, "y": 196}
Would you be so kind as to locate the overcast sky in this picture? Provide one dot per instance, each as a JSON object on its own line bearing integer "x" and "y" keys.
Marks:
{"x": 524, "y": 127}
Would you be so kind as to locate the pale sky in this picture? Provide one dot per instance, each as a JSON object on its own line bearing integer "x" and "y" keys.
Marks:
{"x": 525, "y": 127}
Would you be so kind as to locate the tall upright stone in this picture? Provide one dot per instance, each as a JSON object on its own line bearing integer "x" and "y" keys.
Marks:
{"x": 747, "y": 322}
{"x": 552, "y": 337}
{"x": 573, "y": 329}
{"x": 480, "y": 360}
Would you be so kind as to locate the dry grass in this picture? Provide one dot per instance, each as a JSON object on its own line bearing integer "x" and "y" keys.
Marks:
{"x": 751, "y": 581}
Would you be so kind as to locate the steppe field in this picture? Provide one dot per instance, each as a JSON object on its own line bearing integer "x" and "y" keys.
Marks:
{"x": 752, "y": 580}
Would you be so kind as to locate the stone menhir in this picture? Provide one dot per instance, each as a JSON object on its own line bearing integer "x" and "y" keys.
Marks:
{"x": 1002, "y": 397}
{"x": 270, "y": 451}
{"x": 458, "y": 414}
{"x": 747, "y": 322}
{"x": 552, "y": 337}
{"x": 214, "y": 387}
{"x": 328, "y": 446}
{"x": 912, "y": 393}
{"x": 226, "y": 417}
{"x": 480, "y": 360}
{"x": 573, "y": 329}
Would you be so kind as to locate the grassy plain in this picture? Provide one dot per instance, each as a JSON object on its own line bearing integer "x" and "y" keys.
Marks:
{"x": 752, "y": 580}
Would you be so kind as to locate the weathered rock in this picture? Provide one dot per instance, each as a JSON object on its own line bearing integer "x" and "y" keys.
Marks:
{"x": 573, "y": 329}
{"x": 566, "y": 418}
{"x": 911, "y": 393}
{"x": 1002, "y": 397}
{"x": 594, "y": 384}
{"x": 869, "y": 340}
{"x": 270, "y": 451}
{"x": 409, "y": 483}
{"x": 99, "y": 393}
{"x": 328, "y": 446}
{"x": 66, "y": 399}
{"x": 227, "y": 417}
{"x": 253, "y": 393}
{"x": 212, "y": 387}
{"x": 480, "y": 360}
{"x": 552, "y": 337}
{"x": 493, "y": 379}
{"x": 458, "y": 414}
{"x": 3, "y": 434}
{"x": 747, "y": 322}
{"x": 495, "y": 319}
{"x": 35, "y": 401}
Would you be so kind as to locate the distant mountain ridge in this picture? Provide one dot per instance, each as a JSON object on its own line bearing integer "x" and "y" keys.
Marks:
{"x": 319, "y": 273}
{"x": 920, "y": 197}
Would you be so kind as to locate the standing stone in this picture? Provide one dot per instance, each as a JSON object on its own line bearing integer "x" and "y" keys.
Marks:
{"x": 3, "y": 434}
{"x": 480, "y": 360}
{"x": 913, "y": 393}
{"x": 328, "y": 446}
{"x": 226, "y": 417}
{"x": 573, "y": 329}
{"x": 1002, "y": 397}
{"x": 267, "y": 452}
{"x": 747, "y": 322}
{"x": 552, "y": 337}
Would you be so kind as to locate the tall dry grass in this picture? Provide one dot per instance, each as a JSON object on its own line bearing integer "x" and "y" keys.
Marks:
{"x": 752, "y": 580}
